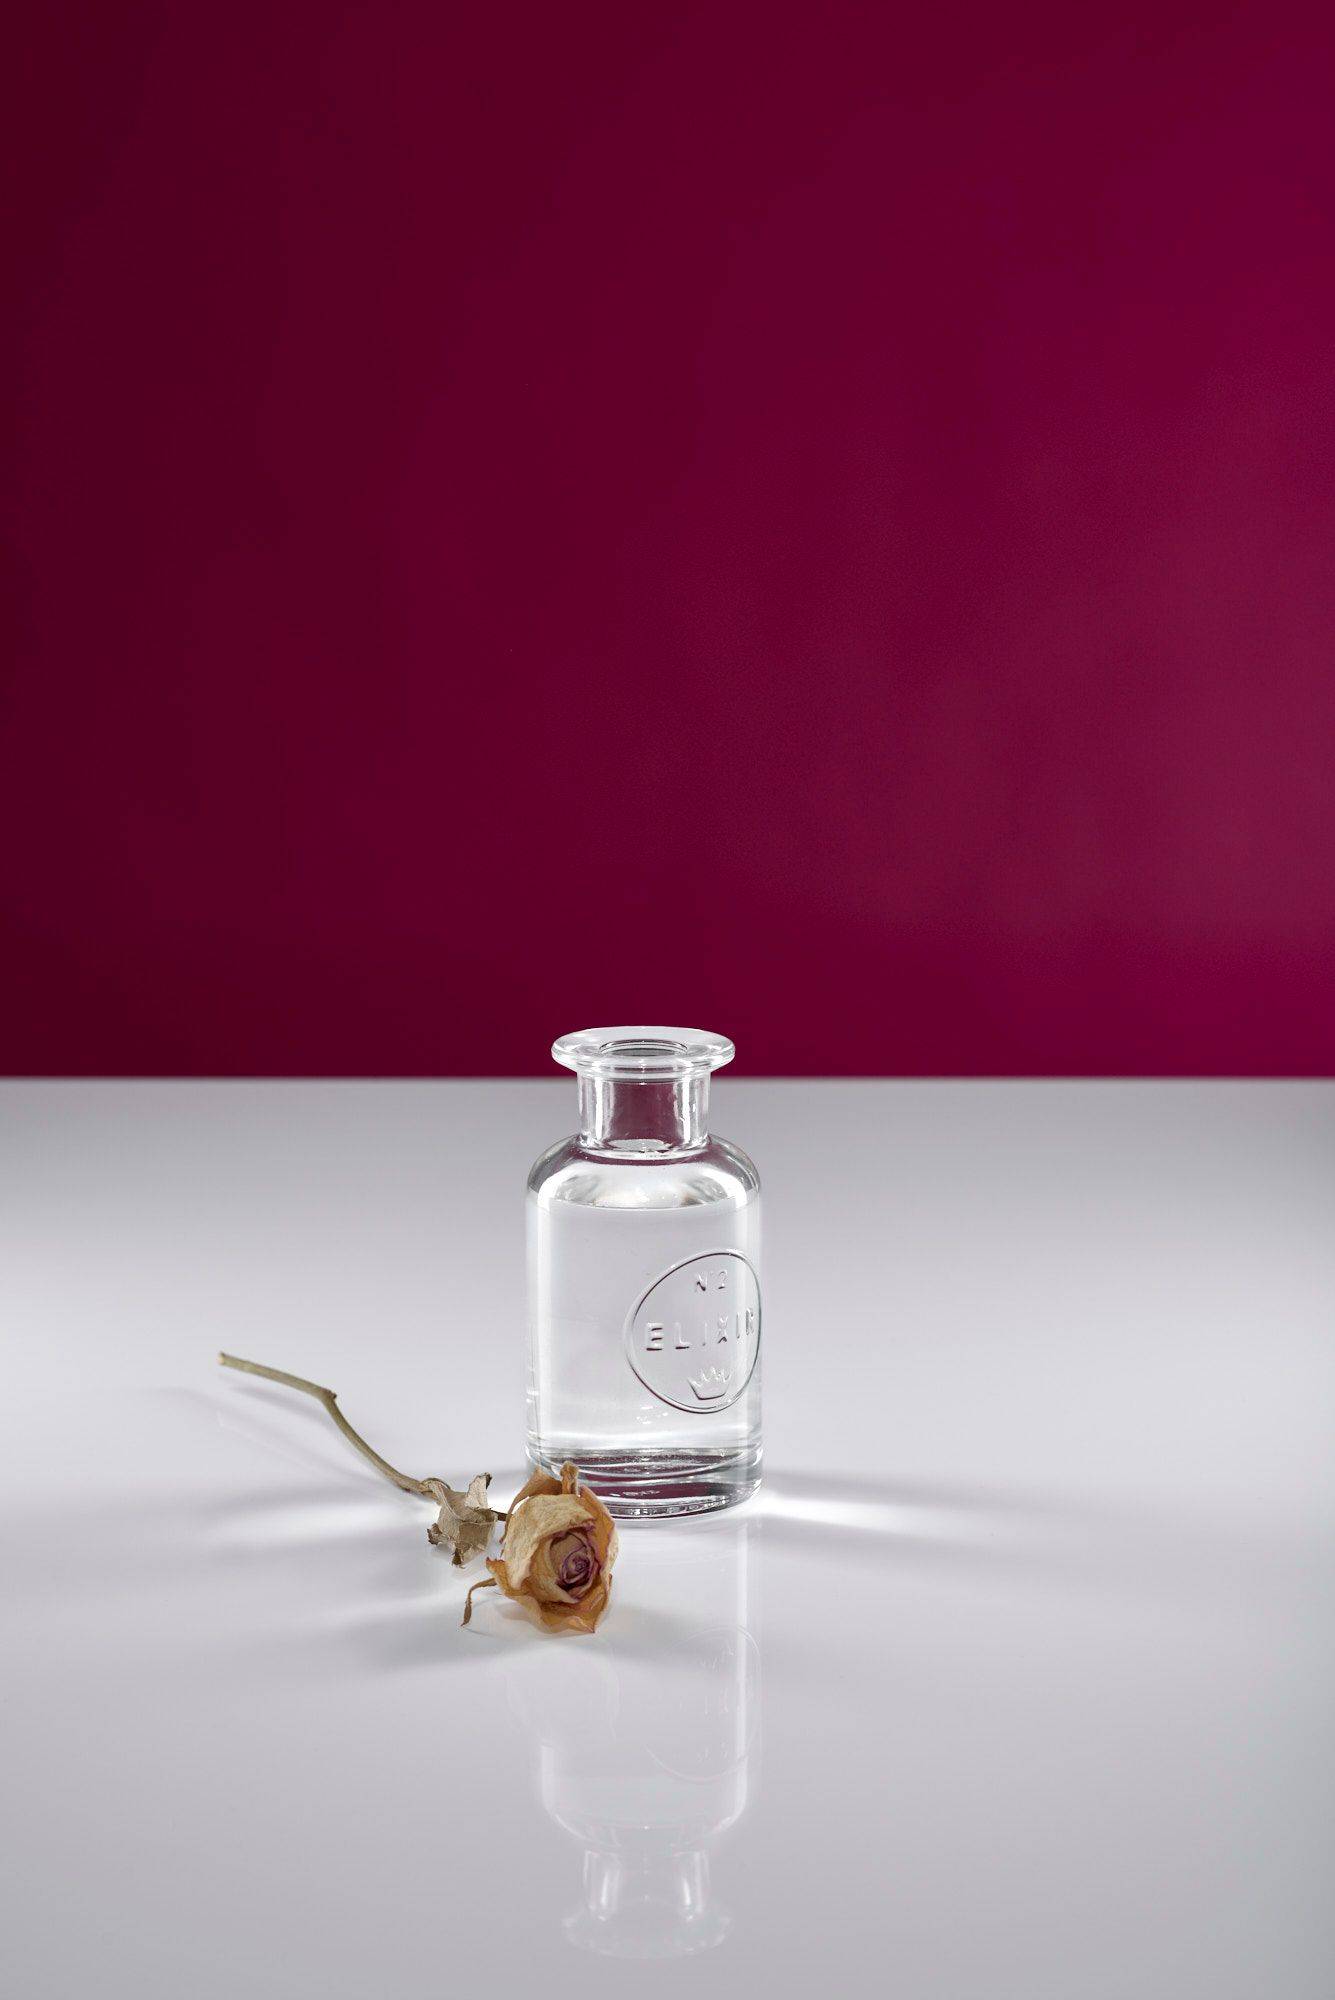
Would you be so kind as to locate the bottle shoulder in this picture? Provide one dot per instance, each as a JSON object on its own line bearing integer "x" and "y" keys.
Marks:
{"x": 715, "y": 1173}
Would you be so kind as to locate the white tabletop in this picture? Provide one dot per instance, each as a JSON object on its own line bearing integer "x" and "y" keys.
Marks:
{"x": 1015, "y": 1681}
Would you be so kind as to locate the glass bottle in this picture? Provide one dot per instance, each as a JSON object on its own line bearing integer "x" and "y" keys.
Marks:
{"x": 643, "y": 1282}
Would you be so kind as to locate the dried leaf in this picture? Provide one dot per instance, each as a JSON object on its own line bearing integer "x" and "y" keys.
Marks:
{"x": 487, "y": 1583}
{"x": 465, "y": 1521}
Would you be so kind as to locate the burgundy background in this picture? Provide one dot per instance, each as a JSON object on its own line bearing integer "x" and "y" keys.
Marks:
{"x": 815, "y": 520}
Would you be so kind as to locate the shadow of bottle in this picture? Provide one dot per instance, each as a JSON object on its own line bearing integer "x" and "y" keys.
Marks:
{"x": 647, "y": 1751}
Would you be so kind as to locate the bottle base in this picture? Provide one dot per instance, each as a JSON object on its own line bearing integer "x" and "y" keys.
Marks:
{"x": 654, "y": 1486}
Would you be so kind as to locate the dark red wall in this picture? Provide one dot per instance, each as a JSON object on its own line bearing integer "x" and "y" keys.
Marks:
{"x": 816, "y": 520}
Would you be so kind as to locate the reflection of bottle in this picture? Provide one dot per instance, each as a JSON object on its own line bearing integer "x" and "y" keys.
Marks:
{"x": 646, "y": 1756}
{"x": 644, "y": 1293}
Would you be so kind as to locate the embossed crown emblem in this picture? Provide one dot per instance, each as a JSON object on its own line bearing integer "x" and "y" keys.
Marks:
{"x": 710, "y": 1384}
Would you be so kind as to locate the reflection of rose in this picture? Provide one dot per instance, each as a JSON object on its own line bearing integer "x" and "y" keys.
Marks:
{"x": 557, "y": 1556}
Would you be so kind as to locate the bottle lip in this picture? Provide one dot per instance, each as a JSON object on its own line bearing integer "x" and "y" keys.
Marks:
{"x": 643, "y": 1055}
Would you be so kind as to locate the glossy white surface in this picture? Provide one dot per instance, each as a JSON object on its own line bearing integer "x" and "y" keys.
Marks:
{"x": 1015, "y": 1681}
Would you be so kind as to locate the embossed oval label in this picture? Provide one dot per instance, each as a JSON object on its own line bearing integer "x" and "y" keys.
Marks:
{"x": 694, "y": 1337}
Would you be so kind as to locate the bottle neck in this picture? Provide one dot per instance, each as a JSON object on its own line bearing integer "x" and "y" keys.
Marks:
{"x": 634, "y": 1115}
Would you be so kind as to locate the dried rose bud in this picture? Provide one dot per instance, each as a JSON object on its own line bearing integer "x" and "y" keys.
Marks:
{"x": 575, "y": 1560}
{"x": 557, "y": 1556}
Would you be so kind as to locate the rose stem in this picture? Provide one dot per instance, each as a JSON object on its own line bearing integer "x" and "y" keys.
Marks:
{"x": 330, "y": 1401}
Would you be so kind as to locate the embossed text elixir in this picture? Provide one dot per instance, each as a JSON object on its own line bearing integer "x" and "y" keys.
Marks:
{"x": 643, "y": 1282}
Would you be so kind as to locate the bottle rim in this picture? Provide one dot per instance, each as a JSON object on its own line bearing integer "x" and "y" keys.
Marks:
{"x": 643, "y": 1054}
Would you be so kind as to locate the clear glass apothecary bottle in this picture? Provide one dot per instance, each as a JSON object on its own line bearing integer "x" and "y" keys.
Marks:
{"x": 643, "y": 1282}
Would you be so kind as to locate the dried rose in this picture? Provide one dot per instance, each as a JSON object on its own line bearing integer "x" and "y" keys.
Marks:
{"x": 557, "y": 1556}
{"x": 465, "y": 1521}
